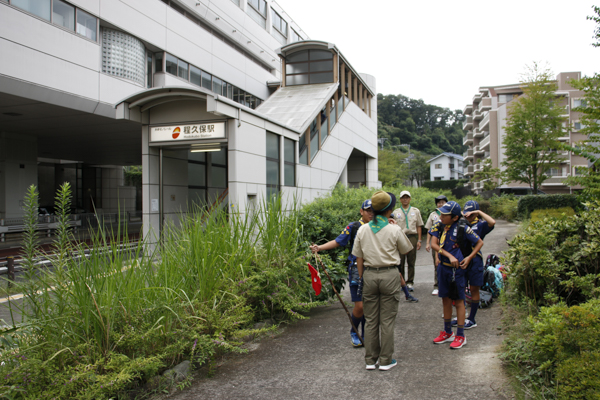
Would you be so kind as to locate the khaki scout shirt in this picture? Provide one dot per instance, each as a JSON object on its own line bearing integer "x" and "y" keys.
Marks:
{"x": 382, "y": 249}
{"x": 414, "y": 220}
{"x": 433, "y": 218}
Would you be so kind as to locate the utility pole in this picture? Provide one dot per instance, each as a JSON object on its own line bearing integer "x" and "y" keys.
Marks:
{"x": 381, "y": 140}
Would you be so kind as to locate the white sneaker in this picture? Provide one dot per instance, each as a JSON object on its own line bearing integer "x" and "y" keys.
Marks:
{"x": 435, "y": 292}
{"x": 372, "y": 366}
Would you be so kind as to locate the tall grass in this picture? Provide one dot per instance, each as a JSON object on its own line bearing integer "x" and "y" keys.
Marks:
{"x": 101, "y": 319}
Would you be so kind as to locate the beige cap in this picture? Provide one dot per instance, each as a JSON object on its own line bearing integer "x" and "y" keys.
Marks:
{"x": 405, "y": 193}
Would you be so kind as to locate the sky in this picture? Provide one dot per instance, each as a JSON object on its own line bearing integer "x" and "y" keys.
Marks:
{"x": 443, "y": 51}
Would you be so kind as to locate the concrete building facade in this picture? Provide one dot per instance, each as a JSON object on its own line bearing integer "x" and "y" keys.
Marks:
{"x": 485, "y": 119}
{"x": 221, "y": 101}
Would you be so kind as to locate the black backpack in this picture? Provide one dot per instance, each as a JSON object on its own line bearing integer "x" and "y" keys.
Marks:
{"x": 463, "y": 244}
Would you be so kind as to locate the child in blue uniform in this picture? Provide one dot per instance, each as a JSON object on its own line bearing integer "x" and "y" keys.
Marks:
{"x": 481, "y": 224}
{"x": 452, "y": 267}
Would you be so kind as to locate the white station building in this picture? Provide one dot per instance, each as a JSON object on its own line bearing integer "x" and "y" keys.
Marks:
{"x": 218, "y": 100}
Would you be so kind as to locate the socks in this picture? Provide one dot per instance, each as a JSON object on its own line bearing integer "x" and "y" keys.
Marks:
{"x": 405, "y": 290}
{"x": 448, "y": 325}
{"x": 356, "y": 322}
{"x": 474, "y": 308}
{"x": 460, "y": 331}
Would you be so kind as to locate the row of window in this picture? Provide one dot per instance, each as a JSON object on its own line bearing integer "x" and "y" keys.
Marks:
{"x": 216, "y": 34}
{"x": 62, "y": 14}
{"x": 335, "y": 110}
{"x": 182, "y": 69}
{"x": 258, "y": 11}
{"x": 439, "y": 166}
{"x": 309, "y": 67}
{"x": 273, "y": 163}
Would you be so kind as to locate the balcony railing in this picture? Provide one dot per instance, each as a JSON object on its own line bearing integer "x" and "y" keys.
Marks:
{"x": 477, "y": 98}
{"x": 468, "y": 124}
{"x": 478, "y": 133}
{"x": 468, "y": 154}
{"x": 478, "y": 151}
{"x": 486, "y": 104}
{"x": 470, "y": 170}
{"x": 468, "y": 139}
{"x": 468, "y": 109}
{"x": 485, "y": 143}
{"x": 485, "y": 122}
{"x": 555, "y": 181}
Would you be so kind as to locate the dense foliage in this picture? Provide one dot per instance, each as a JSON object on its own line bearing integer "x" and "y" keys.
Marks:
{"x": 554, "y": 307}
{"x": 445, "y": 185}
{"x": 530, "y": 203}
{"x": 426, "y": 128}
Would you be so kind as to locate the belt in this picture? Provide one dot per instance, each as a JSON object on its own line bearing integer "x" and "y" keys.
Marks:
{"x": 380, "y": 268}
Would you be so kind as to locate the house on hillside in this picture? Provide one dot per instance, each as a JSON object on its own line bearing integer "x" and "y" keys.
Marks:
{"x": 446, "y": 167}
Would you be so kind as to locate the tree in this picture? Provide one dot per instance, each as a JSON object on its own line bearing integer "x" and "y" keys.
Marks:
{"x": 533, "y": 126}
{"x": 488, "y": 174}
{"x": 392, "y": 168}
{"x": 589, "y": 177}
{"x": 419, "y": 169}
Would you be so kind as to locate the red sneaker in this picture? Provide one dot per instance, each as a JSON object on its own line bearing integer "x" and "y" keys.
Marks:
{"x": 459, "y": 341}
{"x": 444, "y": 337}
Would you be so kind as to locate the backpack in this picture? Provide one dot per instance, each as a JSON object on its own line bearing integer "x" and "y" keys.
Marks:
{"x": 485, "y": 299}
{"x": 492, "y": 281}
{"x": 464, "y": 245}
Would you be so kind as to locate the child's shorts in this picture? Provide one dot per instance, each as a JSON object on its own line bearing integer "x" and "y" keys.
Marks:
{"x": 474, "y": 275}
{"x": 445, "y": 279}
{"x": 354, "y": 295}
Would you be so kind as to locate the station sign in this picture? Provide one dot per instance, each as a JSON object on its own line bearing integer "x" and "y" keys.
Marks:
{"x": 175, "y": 133}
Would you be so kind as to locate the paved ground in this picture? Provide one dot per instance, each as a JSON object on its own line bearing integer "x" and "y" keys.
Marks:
{"x": 313, "y": 359}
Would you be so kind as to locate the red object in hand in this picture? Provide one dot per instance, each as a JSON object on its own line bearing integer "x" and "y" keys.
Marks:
{"x": 316, "y": 279}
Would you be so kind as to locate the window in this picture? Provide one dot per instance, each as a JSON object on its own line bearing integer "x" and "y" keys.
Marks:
{"x": 86, "y": 25}
{"x": 195, "y": 76}
{"x": 159, "y": 62}
{"x": 63, "y": 14}
{"x": 206, "y": 80}
{"x": 257, "y": 9}
{"x": 295, "y": 36}
{"x": 579, "y": 170}
{"x": 217, "y": 85}
{"x": 451, "y": 166}
{"x": 40, "y": 8}
{"x": 314, "y": 139}
{"x": 260, "y": 6}
{"x": 438, "y": 166}
{"x": 579, "y": 103}
{"x": 437, "y": 178}
{"x": 578, "y": 126}
{"x": 505, "y": 98}
{"x": 272, "y": 164}
{"x": 554, "y": 172}
{"x": 149, "y": 70}
{"x": 236, "y": 2}
{"x": 309, "y": 66}
{"x": 280, "y": 27}
{"x": 303, "y": 147}
{"x": 182, "y": 70}
{"x": 171, "y": 64}
{"x": 123, "y": 56}
{"x": 207, "y": 176}
{"x": 289, "y": 162}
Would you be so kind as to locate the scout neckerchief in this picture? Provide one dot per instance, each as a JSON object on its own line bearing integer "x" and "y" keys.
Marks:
{"x": 438, "y": 213}
{"x": 443, "y": 239}
{"x": 406, "y": 215}
{"x": 378, "y": 223}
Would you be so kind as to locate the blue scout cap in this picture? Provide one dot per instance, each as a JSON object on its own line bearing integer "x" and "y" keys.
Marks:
{"x": 450, "y": 207}
{"x": 366, "y": 204}
{"x": 471, "y": 205}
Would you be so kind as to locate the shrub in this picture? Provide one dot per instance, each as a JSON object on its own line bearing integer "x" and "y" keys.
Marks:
{"x": 557, "y": 259}
{"x": 530, "y": 203}
{"x": 557, "y": 350}
{"x": 444, "y": 185}
{"x": 539, "y": 215}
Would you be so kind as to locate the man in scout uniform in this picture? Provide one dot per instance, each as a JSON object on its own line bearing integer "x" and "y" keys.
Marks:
{"x": 346, "y": 238}
{"x": 433, "y": 218}
{"x": 409, "y": 220}
{"x": 452, "y": 268}
{"x": 378, "y": 247}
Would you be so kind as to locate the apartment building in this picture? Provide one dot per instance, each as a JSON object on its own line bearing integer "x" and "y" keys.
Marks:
{"x": 485, "y": 121}
{"x": 218, "y": 100}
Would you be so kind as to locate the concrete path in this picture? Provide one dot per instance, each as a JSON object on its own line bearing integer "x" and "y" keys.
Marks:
{"x": 313, "y": 359}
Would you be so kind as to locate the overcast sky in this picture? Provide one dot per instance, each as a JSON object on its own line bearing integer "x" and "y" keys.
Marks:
{"x": 443, "y": 51}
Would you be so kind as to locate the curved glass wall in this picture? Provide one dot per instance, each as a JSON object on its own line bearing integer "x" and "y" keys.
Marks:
{"x": 123, "y": 56}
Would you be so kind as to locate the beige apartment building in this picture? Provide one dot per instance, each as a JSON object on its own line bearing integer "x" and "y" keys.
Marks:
{"x": 485, "y": 121}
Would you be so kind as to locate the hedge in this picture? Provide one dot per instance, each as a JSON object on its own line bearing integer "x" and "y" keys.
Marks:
{"x": 447, "y": 185}
{"x": 530, "y": 203}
